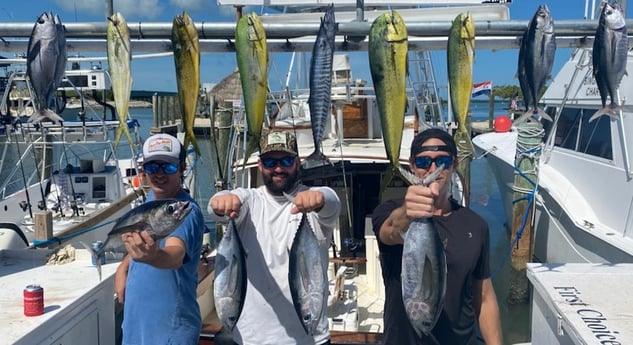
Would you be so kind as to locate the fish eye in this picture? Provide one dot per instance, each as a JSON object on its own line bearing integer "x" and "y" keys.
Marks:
{"x": 170, "y": 209}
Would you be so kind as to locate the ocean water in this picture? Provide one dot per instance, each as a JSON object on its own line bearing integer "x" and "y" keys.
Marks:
{"x": 485, "y": 200}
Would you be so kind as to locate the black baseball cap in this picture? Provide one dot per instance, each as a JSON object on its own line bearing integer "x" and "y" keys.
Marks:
{"x": 437, "y": 133}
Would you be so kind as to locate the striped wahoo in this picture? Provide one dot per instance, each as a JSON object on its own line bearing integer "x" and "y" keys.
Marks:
{"x": 321, "y": 81}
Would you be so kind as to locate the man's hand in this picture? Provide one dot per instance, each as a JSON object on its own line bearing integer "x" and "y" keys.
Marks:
{"x": 226, "y": 205}
{"x": 308, "y": 201}
{"x": 140, "y": 245}
{"x": 419, "y": 201}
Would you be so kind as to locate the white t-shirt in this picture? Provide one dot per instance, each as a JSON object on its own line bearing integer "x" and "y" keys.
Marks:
{"x": 267, "y": 230}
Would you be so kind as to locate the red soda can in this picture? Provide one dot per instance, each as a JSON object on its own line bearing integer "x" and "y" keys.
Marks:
{"x": 33, "y": 300}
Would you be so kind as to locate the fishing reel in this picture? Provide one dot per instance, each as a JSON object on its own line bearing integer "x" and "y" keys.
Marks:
{"x": 24, "y": 205}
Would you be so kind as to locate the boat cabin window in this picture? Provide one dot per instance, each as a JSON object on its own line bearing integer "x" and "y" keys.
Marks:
{"x": 575, "y": 132}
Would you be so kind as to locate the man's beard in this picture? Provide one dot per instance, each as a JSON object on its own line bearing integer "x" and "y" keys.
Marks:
{"x": 277, "y": 188}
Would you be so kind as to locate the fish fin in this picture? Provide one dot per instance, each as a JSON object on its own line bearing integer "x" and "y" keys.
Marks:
{"x": 523, "y": 118}
{"x": 544, "y": 115}
{"x": 46, "y": 114}
{"x": 95, "y": 255}
{"x": 315, "y": 159}
{"x": 408, "y": 176}
{"x": 608, "y": 110}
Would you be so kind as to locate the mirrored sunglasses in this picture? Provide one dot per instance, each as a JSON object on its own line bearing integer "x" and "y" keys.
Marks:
{"x": 168, "y": 168}
{"x": 425, "y": 162}
{"x": 285, "y": 162}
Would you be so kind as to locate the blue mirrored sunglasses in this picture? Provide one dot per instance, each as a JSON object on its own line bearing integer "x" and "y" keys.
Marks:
{"x": 425, "y": 162}
{"x": 168, "y": 168}
{"x": 285, "y": 162}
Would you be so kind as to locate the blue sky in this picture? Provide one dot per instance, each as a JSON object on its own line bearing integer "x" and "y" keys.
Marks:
{"x": 159, "y": 73}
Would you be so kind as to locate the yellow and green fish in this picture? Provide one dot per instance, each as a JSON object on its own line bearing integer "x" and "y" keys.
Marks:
{"x": 186, "y": 47}
{"x": 119, "y": 58}
{"x": 388, "y": 47}
{"x": 460, "y": 57}
{"x": 252, "y": 62}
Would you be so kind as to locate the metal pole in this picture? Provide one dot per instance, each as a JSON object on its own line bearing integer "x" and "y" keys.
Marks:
{"x": 108, "y": 8}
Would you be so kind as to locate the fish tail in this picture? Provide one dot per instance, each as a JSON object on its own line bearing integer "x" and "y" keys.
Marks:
{"x": 190, "y": 137}
{"x": 250, "y": 148}
{"x": 318, "y": 158}
{"x": 46, "y": 114}
{"x": 120, "y": 130}
{"x": 543, "y": 114}
{"x": 95, "y": 255}
{"x": 611, "y": 110}
{"x": 385, "y": 182}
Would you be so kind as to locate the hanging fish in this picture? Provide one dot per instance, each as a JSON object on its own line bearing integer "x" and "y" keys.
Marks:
{"x": 388, "y": 47}
{"x": 186, "y": 47}
{"x": 119, "y": 61}
{"x": 610, "y": 47}
{"x": 460, "y": 56}
{"x": 252, "y": 62}
{"x": 537, "y": 54}
{"x": 46, "y": 63}
{"x": 321, "y": 82}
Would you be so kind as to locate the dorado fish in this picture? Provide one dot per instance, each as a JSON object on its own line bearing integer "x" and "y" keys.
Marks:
{"x": 387, "y": 49}
{"x": 252, "y": 62}
{"x": 229, "y": 287}
{"x": 321, "y": 81}
{"x": 423, "y": 273}
{"x": 460, "y": 53}
{"x": 158, "y": 217}
{"x": 46, "y": 63}
{"x": 186, "y": 47}
{"x": 537, "y": 51}
{"x": 119, "y": 58}
{"x": 609, "y": 55}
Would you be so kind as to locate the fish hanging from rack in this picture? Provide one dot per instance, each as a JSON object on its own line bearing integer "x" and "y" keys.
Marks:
{"x": 536, "y": 57}
{"x": 321, "y": 82}
{"x": 387, "y": 49}
{"x": 46, "y": 63}
{"x": 252, "y": 62}
{"x": 186, "y": 47}
{"x": 119, "y": 58}
{"x": 609, "y": 56}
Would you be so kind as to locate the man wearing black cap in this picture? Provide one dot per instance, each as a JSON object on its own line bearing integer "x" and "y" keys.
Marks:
{"x": 267, "y": 222}
{"x": 470, "y": 299}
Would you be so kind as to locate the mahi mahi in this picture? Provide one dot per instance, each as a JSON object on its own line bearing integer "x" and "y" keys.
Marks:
{"x": 119, "y": 58}
{"x": 388, "y": 47}
{"x": 460, "y": 55}
{"x": 158, "y": 217}
{"x": 46, "y": 63}
{"x": 321, "y": 81}
{"x": 537, "y": 52}
{"x": 423, "y": 273}
{"x": 252, "y": 62}
{"x": 186, "y": 47}
{"x": 229, "y": 286}
{"x": 609, "y": 55}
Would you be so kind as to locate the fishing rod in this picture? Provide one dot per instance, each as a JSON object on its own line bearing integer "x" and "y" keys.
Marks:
{"x": 26, "y": 188}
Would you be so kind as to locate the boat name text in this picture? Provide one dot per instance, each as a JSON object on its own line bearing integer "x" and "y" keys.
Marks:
{"x": 593, "y": 319}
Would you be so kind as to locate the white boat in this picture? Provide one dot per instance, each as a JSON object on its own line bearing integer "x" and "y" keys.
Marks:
{"x": 61, "y": 183}
{"x": 584, "y": 193}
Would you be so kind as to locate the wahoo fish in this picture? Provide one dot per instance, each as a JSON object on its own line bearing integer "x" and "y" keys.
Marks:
{"x": 537, "y": 52}
{"x": 158, "y": 217}
{"x": 46, "y": 63}
{"x": 229, "y": 287}
{"x": 119, "y": 58}
{"x": 423, "y": 273}
{"x": 186, "y": 47}
{"x": 523, "y": 84}
{"x": 460, "y": 55}
{"x": 387, "y": 49}
{"x": 321, "y": 81}
{"x": 252, "y": 62}
{"x": 610, "y": 47}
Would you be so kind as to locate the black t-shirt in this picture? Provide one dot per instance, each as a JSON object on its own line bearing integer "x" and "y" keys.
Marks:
{"x": 467, "y": 257}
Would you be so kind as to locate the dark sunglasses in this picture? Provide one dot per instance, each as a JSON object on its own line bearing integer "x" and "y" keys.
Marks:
{"x": 285, "y": 162}
{"x": 425, "y": 162}
{"x": 168, "y": 168}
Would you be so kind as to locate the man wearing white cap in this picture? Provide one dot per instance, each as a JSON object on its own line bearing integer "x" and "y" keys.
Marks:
{"x": 158, "y": 280}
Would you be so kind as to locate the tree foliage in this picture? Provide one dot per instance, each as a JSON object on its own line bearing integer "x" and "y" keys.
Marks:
{"x": 506, "y": 91}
